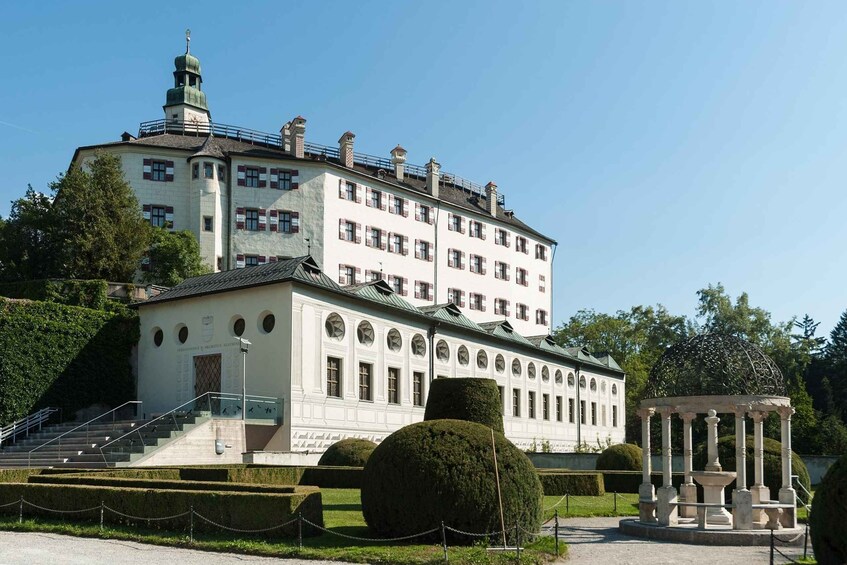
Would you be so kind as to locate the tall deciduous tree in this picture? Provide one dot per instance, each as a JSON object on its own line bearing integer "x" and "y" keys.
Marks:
{"x": 27, "y": 239}
{"x": 103, "y": 235}
{"x": 173, "y": 257}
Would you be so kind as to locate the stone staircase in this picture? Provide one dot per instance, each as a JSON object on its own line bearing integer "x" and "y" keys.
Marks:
{"x": 60, "y": 445}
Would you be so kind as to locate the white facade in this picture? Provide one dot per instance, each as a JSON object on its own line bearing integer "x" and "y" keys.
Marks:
{"x": 292, "y": 362}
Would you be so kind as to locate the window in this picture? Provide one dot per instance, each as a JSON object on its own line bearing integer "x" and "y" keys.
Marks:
{"x": 268, "y": 323}
{"x": 476, "y": 229}
{"x": 422, "y": 250}
{"x": 477, "y": 264}
{"x": 593, "y": 385}
{"x": 251, "y": 177}
{"x": 530, "y": 370}
{"x": 423, "y": 290}
{"x": 195, "y": 170}
{"x": 499, "y": 363}
{"x": 397, "y": 206}
{"x": 159, "y": 170}
{"x": 349, "y": 231}
{"x": 541, "y": 317}
{"x": 365, "y": 333}
{"x": 593, "y": 413}
{"x": 442, "y": 351}
{"x": 157, "y": 216}
{"x": 614, "y": 416}
{"x": 614, "y": 390}
{"x": 397, "y": 285}
{"x": 333, "y": 377}
{"x": 521, "y": 276}
{"x": 417, "y": 388}
{"x": 158, "y": 337}
{"x": 284, "y": 180}
{"x": 501, "y": 270}
{"x": 350, "y": 191}
{"x": 394, "y": 340}
{"x": 542, "y": 283}
{"x": 545, "y": 374}
{"x": 424, "y": 213}
{"x": 516, "y": 368}
{"x": 208, "y": 171}
{"x": 558, "y": 408}
{"x": 501, "y": 237}
{"x": 207, "y": 223}
{"x": 516, "y": 402}
{"x": 373, "y": 276}
{"x": 221, "y": 173}
{"x": 252, "y": 219}
{"x": 284, "y": 221}
{"x": 334, "y": 327}
{"x": 571, "y": 417}
{"x": 540, "y": 252}
{"x": 520, "y": 244}
{"x": 582, "y": 411}
{"x": 454, "y": 259}
{"x": 376, "y": 238}
{"x": 482, "y": 359}
{"x": 376, "y": 199}
{"x": 251, "y": 260}
{"x": 396, "y": 243}
{"x": 558, "y": 377}
{"x": 455, "y": 223}
{"x": 418, "y": 346}
{"x": 456, "y": 296}
{"x": 393, "y": 383}
{"x": 349, "y": 274}
{"x": 531, "y": 404}
{"x": 501, "y": 307}
{"x": 365, "y": 374}
{"x": 545, "y": 406}
{"x": 477, "y": 302}
{"x": 521, "y": 311}
{"x": 463, "y": 356}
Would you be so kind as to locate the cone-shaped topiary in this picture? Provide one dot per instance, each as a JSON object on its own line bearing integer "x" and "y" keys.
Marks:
{"x": 773, "y": 463}
{"x": 474, "y": 400}
{"x": 350, "y": 452}
{"x": 443, "y": 470}
{"x": 620, "y": 457}
{"x": 828, "y": 519}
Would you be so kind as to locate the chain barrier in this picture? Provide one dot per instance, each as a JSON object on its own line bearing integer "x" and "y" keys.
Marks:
{"x": 243, "y": 531}
{"x": 489, "y": 534}
{"x": 61, "y": 511}
{"x": 555, "y": 505}
{"x": 339, "y": 534}
{"x": 790, "y": 560}
{"x": 10, "y": 503}
{"x": 119, "y": 513}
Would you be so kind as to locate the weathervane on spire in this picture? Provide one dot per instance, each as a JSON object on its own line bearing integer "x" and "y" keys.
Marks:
{"x": 188, "y": 41}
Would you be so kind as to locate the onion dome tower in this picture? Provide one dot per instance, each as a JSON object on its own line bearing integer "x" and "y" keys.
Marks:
{"x": 186, "y": 102}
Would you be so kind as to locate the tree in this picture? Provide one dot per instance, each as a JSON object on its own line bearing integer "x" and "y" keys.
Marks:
{"x": 28, "y": 239}
{"x": 174, "y": 257}
{"x": 835, "y": 362}
{"x": 101, "y": 233}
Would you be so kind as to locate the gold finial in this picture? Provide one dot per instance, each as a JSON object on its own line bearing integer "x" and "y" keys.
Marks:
{"x": 188, "y": 41}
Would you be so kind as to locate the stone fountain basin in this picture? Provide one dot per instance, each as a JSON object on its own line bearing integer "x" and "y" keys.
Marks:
{"x": 713, "y": 478}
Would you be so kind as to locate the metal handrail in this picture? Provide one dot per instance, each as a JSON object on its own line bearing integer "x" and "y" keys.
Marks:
{"x": 26, "y": 423}
{"x": 806, "y": 505}
{"x": 172, "y": 414}
{"x": 59, "y": 438}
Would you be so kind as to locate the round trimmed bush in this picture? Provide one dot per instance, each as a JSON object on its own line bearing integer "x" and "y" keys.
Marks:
{"x": 620, "y": 457}
{"x": 444, "y": 470}
{"x": 773, "y": 462}
{"x": 473, "y": 400}
{"x": 351, "y": 452}
{"x": 828, "y": 519}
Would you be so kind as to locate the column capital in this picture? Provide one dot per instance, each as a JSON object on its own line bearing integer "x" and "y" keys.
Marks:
{"x": 687, "y": 417}
{"x": 645, "y": 413}
{"x": 758, "y": 416}
{"x": 741, "y": 410}
{"x": 666, "y": 411}
{"x": 785, "y": 412}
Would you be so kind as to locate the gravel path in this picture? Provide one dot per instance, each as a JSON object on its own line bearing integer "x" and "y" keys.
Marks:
{"x": 596, "y": 541}
{"x": 19, "y": 548}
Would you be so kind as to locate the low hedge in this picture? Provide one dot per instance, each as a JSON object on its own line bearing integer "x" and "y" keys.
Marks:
{"x": 620, "y": 457}
{"x": 244, "y": 510}
{"x": 629, "y": 481}
{"x": 70, "y": 292}
{"x": 575, "y": 484}
{"x": 349, "y": 452}
{"x": 94, "y": 480}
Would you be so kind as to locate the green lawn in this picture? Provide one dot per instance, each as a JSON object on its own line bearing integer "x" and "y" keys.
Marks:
{"x": 588, "y": 506}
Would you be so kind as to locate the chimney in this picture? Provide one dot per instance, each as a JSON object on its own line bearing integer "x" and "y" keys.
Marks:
{"x": 345, "y": 149}
{"x": 432, "y": 174}
{"x": 398, "y": 157}
{"x": 491, "y": 196}
{"x": 298, "y": 137}
{"x": 285, "y": 137}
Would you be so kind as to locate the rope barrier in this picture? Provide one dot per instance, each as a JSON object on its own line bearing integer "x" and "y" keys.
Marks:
{"x": 555, "y": 505}
{"x": 119, "y": 513}
{"x": 243, "y": 531}
{"x": 62, "y": 511}
{"x": 432, "y": 531}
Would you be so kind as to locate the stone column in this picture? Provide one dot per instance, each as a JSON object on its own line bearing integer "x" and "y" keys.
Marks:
{"x": 761, "y": 493}
{"x": 742, "y": 498}
{"x": 666, "y": 497}
{"x": 688, "y": 490}
{"x": 786, "y": 493}
{"x": 646, "y": 494}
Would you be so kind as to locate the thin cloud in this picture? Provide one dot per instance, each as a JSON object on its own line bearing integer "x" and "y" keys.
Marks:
{"x": 2, "y": 123}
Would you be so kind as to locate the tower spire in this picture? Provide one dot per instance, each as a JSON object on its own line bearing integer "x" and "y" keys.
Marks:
{"x": 187, "y": 41}
{"x": 186, "y": 102}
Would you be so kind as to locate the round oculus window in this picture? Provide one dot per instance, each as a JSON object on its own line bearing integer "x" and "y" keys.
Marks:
{"x": 334, "y": 327}
{"x": 545, "y": 374}
{"x": 418, "y": 345}
{"x": 238, "y": 327}
{"x": 530, "y": 370}
{"x": 482, "y": 359}
{"x": 365, "y": 333}
{"x": 268, "y": 323}
{"x": 499, "y": 363}
{"x": 516, "y": 368}
{"x": 442, "y": 350}
{"x": 158, "y": 337}
{"x": 463, "y": 356}
{"x": 393, "y": 340}
{"x": 183, "y": 334}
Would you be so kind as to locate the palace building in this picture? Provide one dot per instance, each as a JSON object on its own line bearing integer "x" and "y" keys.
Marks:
{"x": 379, "y": 275}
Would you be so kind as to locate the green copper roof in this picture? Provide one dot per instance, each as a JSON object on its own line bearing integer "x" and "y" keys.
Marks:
{"x": 187, "y": 81}
{"x": 379, "y": 291}
{"x": 502, "y": 328}
{"x": 187, "y": 62}
{"x": 449, "y": 313}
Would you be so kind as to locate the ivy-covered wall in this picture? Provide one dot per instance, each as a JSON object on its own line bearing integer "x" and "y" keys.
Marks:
{"x": 85, "y": 293}
{"x": 63, "y": 356}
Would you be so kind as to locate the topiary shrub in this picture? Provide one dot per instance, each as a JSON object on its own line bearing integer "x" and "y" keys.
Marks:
{"x": 473, "y": 400}
{"x": 620, "y": 457}
{"x": 443, "y": 470}
{"x": 350, "y": 452}
{"x": 772, "y": 463}
{"x": 828, "y": 519}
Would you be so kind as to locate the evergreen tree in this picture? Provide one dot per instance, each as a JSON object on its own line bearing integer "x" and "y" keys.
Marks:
{"x": 28, "y": 239}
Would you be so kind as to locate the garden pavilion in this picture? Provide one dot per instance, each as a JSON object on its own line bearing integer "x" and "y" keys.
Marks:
{"x": 708, "y": 375}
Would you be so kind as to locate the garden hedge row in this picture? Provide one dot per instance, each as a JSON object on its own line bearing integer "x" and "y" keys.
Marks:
{"x": 350, "y": 452}
{"x": 245, "y": 510}
{"x": 84, "y": 293}
{"x": 121, "y": 482}
{"x": 469, "y": 399}
{"x": 573, "y": 483}
{"x": 629, "y": 481}
{"x": 63, "y": 356}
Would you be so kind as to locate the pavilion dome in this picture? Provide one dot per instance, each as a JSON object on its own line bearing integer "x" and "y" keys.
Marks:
{"x": 187, "y": 62}
{"x": 714, "y": 365}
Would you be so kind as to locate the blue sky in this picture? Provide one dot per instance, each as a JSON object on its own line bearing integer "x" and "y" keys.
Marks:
{"x": 664, "y": 145}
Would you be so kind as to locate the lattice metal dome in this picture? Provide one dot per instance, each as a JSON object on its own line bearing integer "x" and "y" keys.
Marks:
{"x": 714, "y": 364}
